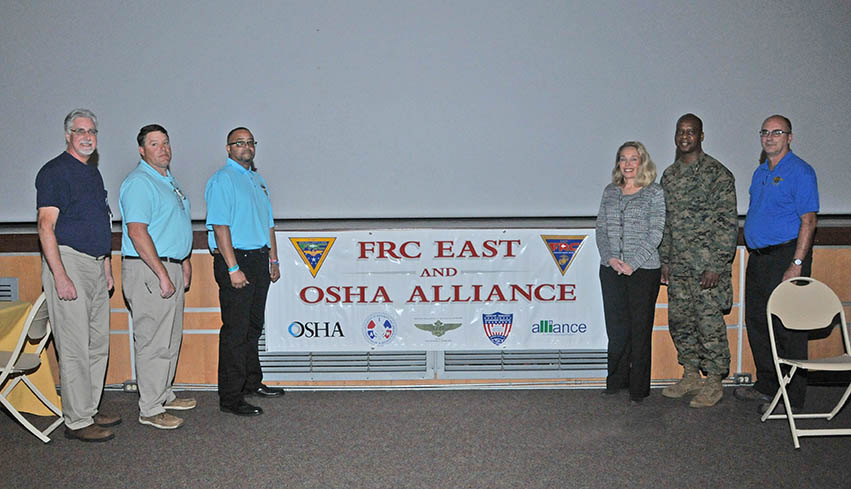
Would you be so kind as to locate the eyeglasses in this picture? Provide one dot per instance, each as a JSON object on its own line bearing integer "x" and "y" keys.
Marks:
{"x": 179, "y": 193}
{"x": 80, "y": 131}
{"x": 241, "y": 144}
{"x": 776, "y": 133}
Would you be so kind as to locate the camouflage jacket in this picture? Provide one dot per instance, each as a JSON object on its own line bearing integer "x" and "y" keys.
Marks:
{"x": 701, "y": 225}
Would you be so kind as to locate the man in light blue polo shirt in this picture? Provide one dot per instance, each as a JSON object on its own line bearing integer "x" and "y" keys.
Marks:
{"x": 779, "y": 231}
{"x": 245, "y": 260}
{"x": 156, "y": 271}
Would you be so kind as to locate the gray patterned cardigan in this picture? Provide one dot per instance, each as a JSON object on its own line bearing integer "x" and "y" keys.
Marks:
{"x": 630, "y": 227}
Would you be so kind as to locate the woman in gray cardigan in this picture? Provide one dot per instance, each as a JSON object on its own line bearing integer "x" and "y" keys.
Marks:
{"x": 629, "y": 230}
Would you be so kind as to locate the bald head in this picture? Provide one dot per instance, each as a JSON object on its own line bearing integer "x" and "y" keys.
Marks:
{"x": 787, "y": 124}
{"x": 776, "y": 139}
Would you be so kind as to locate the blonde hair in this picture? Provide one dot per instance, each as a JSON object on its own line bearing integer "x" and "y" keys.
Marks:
{"x": 646, "y": 172}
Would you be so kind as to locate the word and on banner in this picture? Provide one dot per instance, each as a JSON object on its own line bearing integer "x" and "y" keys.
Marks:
{"x": 436, "y": 289}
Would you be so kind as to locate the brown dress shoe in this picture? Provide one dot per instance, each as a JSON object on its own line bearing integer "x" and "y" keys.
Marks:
{"x": 91, "y": 433}
{"x": 107, "y": 420}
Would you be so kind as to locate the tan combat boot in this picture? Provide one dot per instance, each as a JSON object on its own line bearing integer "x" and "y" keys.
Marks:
{"x": 710, "y": 393}
{"x": 689, "y": 383}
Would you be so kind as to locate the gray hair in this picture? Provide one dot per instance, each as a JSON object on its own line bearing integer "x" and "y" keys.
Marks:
{"x": 76, "y": 114}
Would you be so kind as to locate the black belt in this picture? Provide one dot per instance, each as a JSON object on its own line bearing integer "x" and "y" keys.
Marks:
{"x": 264, "y": 249}
{"x": 162, "y": 258}
{"x": 772, "y": 248}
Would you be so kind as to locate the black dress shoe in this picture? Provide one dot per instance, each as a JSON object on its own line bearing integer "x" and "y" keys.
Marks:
{"x": 241, "y": 408}
{"x": 266, "y": 391}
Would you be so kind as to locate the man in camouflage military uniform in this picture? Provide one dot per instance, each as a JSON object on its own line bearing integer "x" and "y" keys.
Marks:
{"x": 697, "y": 252}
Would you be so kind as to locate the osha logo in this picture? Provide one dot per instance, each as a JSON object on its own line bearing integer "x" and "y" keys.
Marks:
{"x": 315, "y": 329}
{"x": 548, "y": 326}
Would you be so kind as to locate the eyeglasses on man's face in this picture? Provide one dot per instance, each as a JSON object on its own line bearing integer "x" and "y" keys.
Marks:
{"x": 242, "y": 144}
{"x": 775, "y": 133}
{"x": 80, "y": 131}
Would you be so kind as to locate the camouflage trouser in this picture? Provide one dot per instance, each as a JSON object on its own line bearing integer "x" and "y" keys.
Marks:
{"x": 697, "y": 324}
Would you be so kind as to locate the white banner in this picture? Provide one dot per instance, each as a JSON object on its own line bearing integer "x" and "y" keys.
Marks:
{"x": 436, "y": 289}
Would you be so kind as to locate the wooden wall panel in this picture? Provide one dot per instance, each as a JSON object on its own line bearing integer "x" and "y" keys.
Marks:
{"x": 27, "y": 268}
{"x": 199, "y": 353}
{"x": 833, "y": 267}
{"x": 829, "y": 346}
{"x": 204, "y": 292}
{"x": 664, "y": 364}
{"x": 202, "y": 320}
{"x": 199, "y": 358}
{"x": 119, "y": 359}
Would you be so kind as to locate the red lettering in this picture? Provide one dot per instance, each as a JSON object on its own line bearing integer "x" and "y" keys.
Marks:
{"x": 468, "y": 249}
{"x": 490, "y": 248}
{"x": 404, "y": 249}
{"x": 495, "y": 292}
{"x": 542, "y": 298}
{"x": 509, "y": 253}
{"x": 333, "y": 294}
{"x": 363, "y": 248}
{"x": 444, "y": 249}
{"x": 565, "y": 291}
{"x": 456, "y": 294}
{"x": 517, "y": 289}
{"x": 417, "y": 293}
{"x": 315, "y": 290}
{"x": 387, "y": 249}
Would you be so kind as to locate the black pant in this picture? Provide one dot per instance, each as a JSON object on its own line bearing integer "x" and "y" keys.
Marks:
{"x": 243, "y": 317}
{"x": 764, "y": 273}
{"x": 629, "y": 303}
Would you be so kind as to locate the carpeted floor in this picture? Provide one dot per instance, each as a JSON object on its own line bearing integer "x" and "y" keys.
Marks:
{"x": 441, "y": 439}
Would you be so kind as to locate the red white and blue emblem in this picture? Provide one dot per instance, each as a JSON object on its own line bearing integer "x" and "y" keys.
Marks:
{"x": 497, "y": 326}
{"x": 563, "y": 249}
{"x": 379, "y": 329}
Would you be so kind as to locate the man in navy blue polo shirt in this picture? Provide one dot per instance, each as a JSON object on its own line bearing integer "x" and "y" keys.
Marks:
{"x": 155, "y": 272}
{"x": 779, "y": 232}
{"x": 245, "y": 260}
{"x": 75, "y": 231}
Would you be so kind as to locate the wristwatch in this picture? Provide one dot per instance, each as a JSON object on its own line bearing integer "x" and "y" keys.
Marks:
{"x": 797, "y": 262}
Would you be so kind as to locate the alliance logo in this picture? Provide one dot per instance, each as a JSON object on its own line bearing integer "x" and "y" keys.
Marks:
{"x": 497, "y": 326}
{"x": 548, "y": 326}
{"x": 315, "y": 329}
{"x": 379, "y": 329}
{"x": 438, "y": 328}
{"x": 313, "y": 251}
{"x": 564, "y": 249}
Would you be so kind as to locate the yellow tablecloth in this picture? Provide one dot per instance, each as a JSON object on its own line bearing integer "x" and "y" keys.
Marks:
{"x": 13, "y": 315}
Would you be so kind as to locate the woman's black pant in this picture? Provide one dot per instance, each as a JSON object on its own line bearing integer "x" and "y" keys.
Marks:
{"x": 629, "y": 302}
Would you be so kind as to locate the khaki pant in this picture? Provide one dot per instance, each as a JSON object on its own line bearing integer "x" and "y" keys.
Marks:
{"x": 81, "y": 333}
{"x": 157, "y": 331}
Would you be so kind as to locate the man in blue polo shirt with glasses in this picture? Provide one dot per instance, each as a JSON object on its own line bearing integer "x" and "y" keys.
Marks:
{"x": 245, "y": 260}
{"x": 75, "y": 232}
{"x": 155, "y": 272}
{"x": 779, "y": 231}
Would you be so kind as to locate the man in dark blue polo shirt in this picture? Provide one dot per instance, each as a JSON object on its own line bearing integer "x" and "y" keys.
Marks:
{"x": 75, "y": 231}
{"x": 779, "y": 232}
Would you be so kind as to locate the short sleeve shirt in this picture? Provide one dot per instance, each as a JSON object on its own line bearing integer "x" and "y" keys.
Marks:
{"x": 77, "y": 190}
{"x": 778, "y": 199}
{"x": 239, "y": 198}
{"x": 158, "y": 201}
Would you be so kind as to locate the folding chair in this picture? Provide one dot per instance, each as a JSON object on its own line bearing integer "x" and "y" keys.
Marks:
{"x": 17, "y": 364}
{"x": 806, "y": 304}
